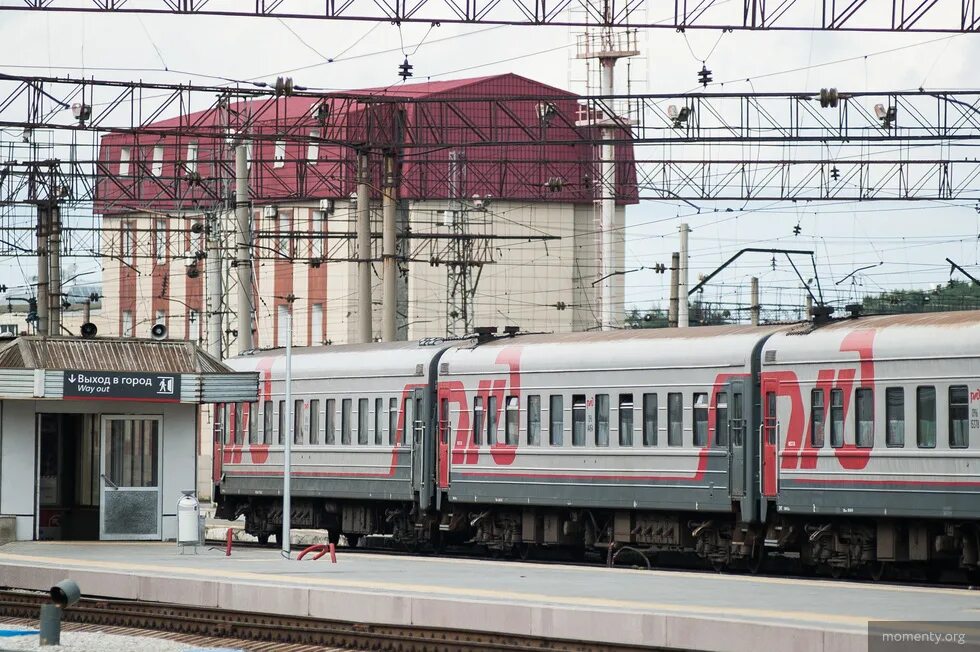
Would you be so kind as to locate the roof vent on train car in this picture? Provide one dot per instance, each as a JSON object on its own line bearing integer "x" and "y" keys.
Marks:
{"x": 770, "y": 356}
{"x": 821, "y": 312}
{"x": 420, "y": 369}
{"x": 511, "y": 331}
{"x": 485, "y": 333}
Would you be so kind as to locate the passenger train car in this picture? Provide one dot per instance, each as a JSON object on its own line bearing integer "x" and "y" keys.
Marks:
{"x": 851, "y": 444}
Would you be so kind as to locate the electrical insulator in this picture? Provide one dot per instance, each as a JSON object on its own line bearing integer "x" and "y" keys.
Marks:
{"x": 797, "y": 230}
{"x": 405, "y": 70}
{"x": 560, "y": 305}
{"x": 704, "y": 76}
{"x": 659, "y": 268}
{"x": 828, "y": 98}
{"x": 834, "y": 173}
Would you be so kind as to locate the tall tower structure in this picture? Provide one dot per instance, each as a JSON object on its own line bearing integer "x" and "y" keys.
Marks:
{"x": 600, "y": 48}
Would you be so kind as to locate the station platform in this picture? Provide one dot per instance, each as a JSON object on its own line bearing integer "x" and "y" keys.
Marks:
{"x": 659, "y": 609}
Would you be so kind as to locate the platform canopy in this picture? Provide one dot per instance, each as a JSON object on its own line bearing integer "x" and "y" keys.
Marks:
{"x": 118, "y": 369}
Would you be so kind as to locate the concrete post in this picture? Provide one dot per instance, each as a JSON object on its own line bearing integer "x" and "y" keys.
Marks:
{"x": 389, "y": 250}
{"x": 755, "y": 308}
{"x": 54, "y": 272}
{"x": 672, "y": 306}
{"x": 243, "y": 259}
{"x": 43, "y": 303}
{"x": 682, "y": 316}
{"x": 809, "y": 308}
{"x": 213, "y": 281}
{"x": 364, "y": 321}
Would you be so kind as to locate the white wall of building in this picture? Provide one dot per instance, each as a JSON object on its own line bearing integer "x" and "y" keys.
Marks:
{"x": 18, "y": 456}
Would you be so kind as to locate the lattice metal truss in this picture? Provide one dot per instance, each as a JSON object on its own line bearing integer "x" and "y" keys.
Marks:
{"x": 834, "y": 15}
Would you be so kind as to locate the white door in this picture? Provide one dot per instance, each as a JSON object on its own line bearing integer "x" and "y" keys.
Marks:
{"x": 130, "y": 471}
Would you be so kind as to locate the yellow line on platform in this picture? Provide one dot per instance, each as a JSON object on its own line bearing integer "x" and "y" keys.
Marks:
{"x": 434, "y": 590}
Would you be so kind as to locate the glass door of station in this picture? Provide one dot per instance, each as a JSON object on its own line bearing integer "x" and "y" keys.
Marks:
{"x": 130, "y": 473}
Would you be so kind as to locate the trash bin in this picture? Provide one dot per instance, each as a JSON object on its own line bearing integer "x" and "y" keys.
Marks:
{"x": 188, "y": 520}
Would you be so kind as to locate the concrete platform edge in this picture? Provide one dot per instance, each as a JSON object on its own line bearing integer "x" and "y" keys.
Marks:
{"x": 664, "y": 630}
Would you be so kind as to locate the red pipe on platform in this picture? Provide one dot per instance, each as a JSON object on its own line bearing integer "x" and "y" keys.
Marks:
{"x": 228, "y": 543}
{"x": 321, "y": 550}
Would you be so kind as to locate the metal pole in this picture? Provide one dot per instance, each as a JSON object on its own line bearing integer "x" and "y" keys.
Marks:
{"x": 243, "y": 261}
{"x": 213, "y": 278}
{"x": 87, "y": 311}
{"x": 608, "y": 204}
{"x": 54, "y": 272}
{"x": 672, "y": 306}
{"x": 809, "y": 308}
{"x": 364, "y": 320}
{"x": 42, "y": 270}
{"x": 755, "y": 309}
{"x": 682, "y": 318}
{"x": 288, "y": 443}
{"x": 389, "y": 253}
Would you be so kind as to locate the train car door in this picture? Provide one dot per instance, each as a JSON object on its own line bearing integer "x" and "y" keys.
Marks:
{"x": 421, "y": 455}
{"x": 769, "y": 430}
{"x": 737, "y": 391}
{"x": 445, "y": 432}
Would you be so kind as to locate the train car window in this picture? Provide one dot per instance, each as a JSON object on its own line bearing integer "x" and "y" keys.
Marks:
{"x": 737, "y": 423}
{"x": 721, "y": 419}
{"x": 330, "y": 422}
{"x": 227, "y": 415}
{"x": 959, "y": 416}
{"x": 556, "y": 420}
{"x": 478, "y": 420}
{"x": 314, "y": 421}
{"x": 240, "y": 424}
{"x": 392, "y": 421}
{"x": 491, "y": 421}
{"x": 578, "y": 420}
{"x": 836, "y": 418}
{"x": 534, "y": 420}
{"x": 379, "y": 421}
{"x": 267, "y": 421}
{"x": 625, "y": 419}
{"x": 675, "y": 419}
{"x": 895, "y": 417}
{"x": 362, "y": 421}
{"x": 700, "y": 419}
{"x": 281, "y": 437}
{"x": 818, "y": 414}
{"x": 408, "y": 425}
{"x": 649, "y": 419}
{"x": 512, "y": 421}
{"x": 253, "y": 423}
{"x": 298, "y": 422}
{"x": 345, "y": 409}
{"x": 864, "y": 417}
{"x": 602, "y": 420}
{"x": 925, "y": 416}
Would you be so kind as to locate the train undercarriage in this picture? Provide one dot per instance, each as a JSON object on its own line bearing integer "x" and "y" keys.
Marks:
{"x": 835, "y": 547}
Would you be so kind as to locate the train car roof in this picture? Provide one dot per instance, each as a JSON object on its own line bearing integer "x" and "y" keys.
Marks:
{"x": 918, "y": 335}
{"x": 373, "y": 359}
{"x": 704, "y": 346}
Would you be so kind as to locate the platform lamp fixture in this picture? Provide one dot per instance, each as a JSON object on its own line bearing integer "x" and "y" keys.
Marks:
{"x": 678, "y": 117}
{"x": 886, "y": 115}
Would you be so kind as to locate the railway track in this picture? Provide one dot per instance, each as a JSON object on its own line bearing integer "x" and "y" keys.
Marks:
{"x": 270, "y": 632}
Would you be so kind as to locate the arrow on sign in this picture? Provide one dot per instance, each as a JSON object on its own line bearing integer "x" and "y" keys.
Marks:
{"x": 71, "y": 378}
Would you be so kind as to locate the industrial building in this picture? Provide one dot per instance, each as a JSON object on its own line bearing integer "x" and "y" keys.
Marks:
{"x": 486, "y": 235}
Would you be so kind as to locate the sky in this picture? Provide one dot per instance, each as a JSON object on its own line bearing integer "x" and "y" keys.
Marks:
{"x": 906, "y": 242}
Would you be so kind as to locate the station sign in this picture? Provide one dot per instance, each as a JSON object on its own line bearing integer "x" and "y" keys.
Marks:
{"x": 121, "y": 386}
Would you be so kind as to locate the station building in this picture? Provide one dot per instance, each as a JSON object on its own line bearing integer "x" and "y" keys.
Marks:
{"x": 99, "y": 437}
{"x": 304, "y": 205}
